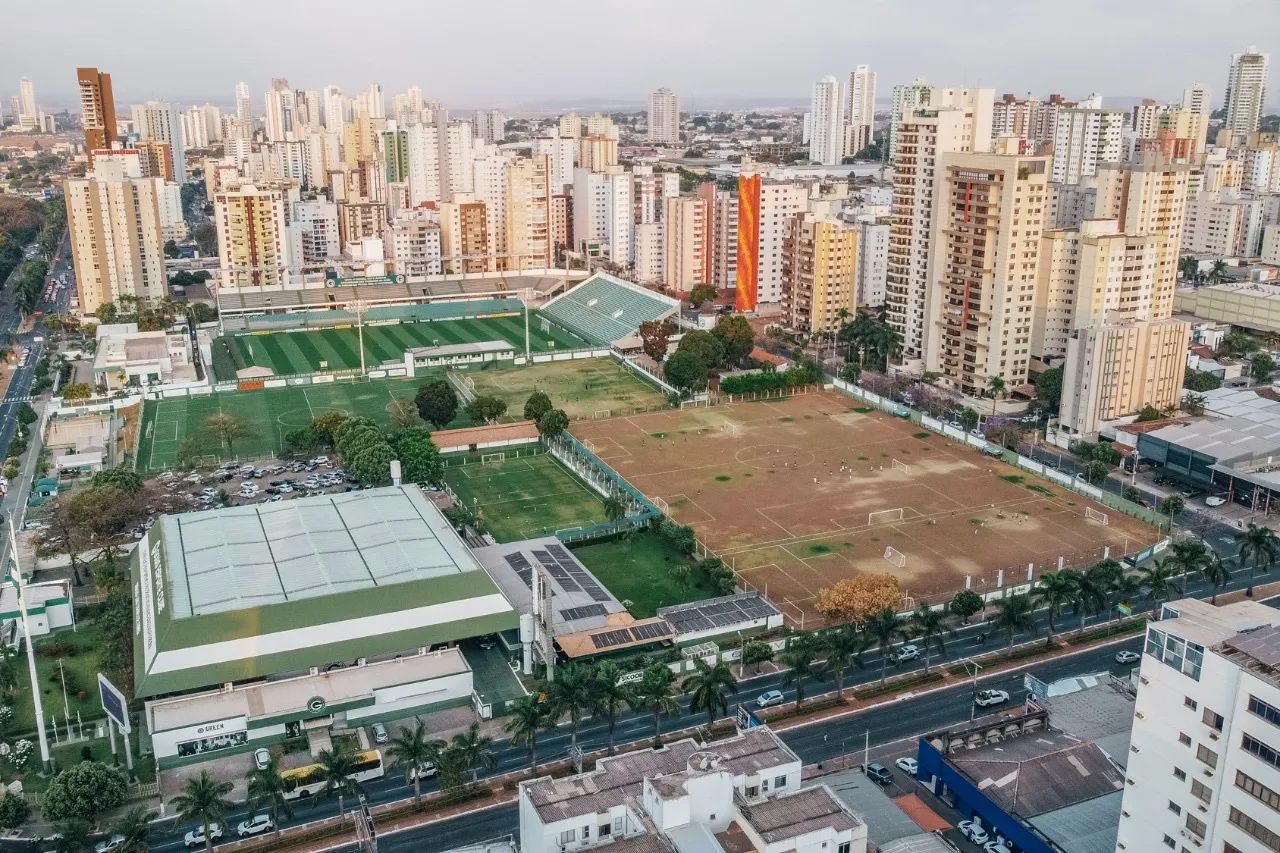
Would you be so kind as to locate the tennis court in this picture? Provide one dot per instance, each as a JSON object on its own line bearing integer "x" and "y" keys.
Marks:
{"x": 315, "y": 350}
{"x": 520, "y": 498}
{"x": 269, "y": 414}
{"x": 584, "y": 388}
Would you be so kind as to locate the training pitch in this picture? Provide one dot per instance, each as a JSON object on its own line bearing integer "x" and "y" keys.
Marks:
{"x": 584, "y": 388}
{"x": 269, "y": 414}
{"x": 288, "y": 353}
{"x": 525, "y": 497}
{"x": 796, "y": 494}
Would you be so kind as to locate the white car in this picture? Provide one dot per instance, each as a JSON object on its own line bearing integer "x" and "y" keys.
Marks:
{"x": 255, "y": 825}
{"x": 1214, "y": 500}
{"x": 972, "y": 831}
{"x": 907, "y": 765}
{"x": 908, "y": 652}
{"x": 106, "y": 845}
{"x": 195, "y": 838}
{"x": 770, "y": 698}
{"x": 426, "y": 771}
{"x": 1128, "y": 657}
{"x": 380, "y": 733}
{"x": 997, "y": 847}
{"x": 986, "y": 698}
{"x": 261, "y": 758}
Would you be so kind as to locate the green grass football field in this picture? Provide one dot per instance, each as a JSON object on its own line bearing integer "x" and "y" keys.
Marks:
{"x": 584, "y": 388}
{"x": 525, "y": 497}
{"x": 289, "y": 353}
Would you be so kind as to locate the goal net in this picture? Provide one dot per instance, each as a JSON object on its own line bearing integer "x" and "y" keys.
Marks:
{"x": 902, "y": 466}
{"x": 893, "y": 555}
{"x": 469, "y": 383}
{"x": 589, "y": 445}
{"x": 883, "y": 515}
{"x": 1095, "y": 515}
{"x": 661, "y": 505}
{"x": 487, "y": 458}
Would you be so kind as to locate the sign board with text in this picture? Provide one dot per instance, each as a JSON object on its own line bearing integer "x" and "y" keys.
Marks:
{"x": 114, "y": 703}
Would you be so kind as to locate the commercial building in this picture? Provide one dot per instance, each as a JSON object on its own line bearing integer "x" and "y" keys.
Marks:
{"x": 739, "y": 794}
{"x": 97, "y": 110}
{"x": 664, "y": 117}
{"x": 127, "y": 358}
{"x": 1247, "y": 304}
{"x": 1246, "y": 91}
{"x": 826, "y": 122}
{"x": 252, "y": 241}
{"x": 763, "y": 212}
{"x": 687, "y": 250}
{"x": 819, "y": 273}
{"x": 1232, "y": 456}
{"x": 1204, "y": 769}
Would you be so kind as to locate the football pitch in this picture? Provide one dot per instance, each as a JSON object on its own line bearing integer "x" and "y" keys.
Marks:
{"x": 525, "y": 497}
{"x": 316, "y": 350}
{"x": 269, "y": 414}
{"x": 584, "y": 388}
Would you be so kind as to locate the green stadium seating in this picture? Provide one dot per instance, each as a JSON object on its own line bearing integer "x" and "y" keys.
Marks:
{"x": 604, "y": 309}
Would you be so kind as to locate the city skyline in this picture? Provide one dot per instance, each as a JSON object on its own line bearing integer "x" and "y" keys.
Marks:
{"x": 716, "y": 60}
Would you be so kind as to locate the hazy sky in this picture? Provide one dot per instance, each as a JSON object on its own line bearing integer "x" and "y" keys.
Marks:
{"x": 552, "y": 53}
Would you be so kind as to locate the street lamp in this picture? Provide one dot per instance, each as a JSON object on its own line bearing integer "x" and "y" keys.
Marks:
{"x": 973, "y": 692}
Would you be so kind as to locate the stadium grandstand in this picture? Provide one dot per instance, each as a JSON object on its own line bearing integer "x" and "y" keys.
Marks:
{"x": 605, "y": 309}
{"x": 405, "y": 313}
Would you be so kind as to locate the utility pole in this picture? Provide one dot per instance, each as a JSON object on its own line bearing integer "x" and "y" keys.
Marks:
{"x": 31, "y": 653}
{"x": 973, "y": 692}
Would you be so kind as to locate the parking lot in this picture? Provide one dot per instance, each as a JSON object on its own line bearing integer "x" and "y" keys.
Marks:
{"x": 269, "y": 481}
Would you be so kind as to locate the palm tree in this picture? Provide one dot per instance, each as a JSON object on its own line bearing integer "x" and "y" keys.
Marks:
{"x": 475, "y": 750}
{"x": 710, "y": 688}
{"x": 1189, "y": 555}
{"x": 614, "y": 508}
{"x": 655, "y": 693}
{"x": 336, "y": 767}
{"x": 266, "y": 793}
{"x": 1218, "y": 273}
{"x": 798, "y": 658}
{"x": 995, "y": 387}
{"x": 1056, "y": 590}
{"x": 1258, "y": 546}
{"x": 842, "y": 646}
{"x": 607, "y": 696}
{"x": 569, "y": 692}
{"x": 1015, "y": 614}
{"x": 203, "y": 799}
{"x": 1091, "y": 588}
{"x": 411, "y": 750}
{"x": 528, "y": 716}
{"x": 134, "y": 826}
{"x": 881, "y": 631}
{"x": 1158, "y": 579}
{"x": 931, "y": 626}
{"x": 72, "y": 835}
{"x": 1216, "y": 573}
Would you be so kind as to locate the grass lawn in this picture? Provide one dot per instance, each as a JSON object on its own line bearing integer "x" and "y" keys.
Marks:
{"x": 289, "y": 353}
{"x": 582, "y": 387}
{"x": 81, "y": 662}
{"x": 269, "y": 413}
{"x": 638, "y": 569}
{"x": 526, "y": 497}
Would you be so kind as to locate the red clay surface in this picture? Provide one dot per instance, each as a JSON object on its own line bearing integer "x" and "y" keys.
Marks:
{"x": 762, "y": 485}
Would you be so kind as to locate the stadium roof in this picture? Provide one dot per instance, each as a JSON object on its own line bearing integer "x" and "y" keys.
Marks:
{"x": 245, "y": 592}
{"x": 604, "y": 309}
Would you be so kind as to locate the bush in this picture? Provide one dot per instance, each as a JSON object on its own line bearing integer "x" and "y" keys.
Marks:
{"x": 13, "y": 810}
{"x": 84, "y": 791}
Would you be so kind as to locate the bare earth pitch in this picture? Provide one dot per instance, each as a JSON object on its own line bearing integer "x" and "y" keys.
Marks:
{"x": 783, "y": 490}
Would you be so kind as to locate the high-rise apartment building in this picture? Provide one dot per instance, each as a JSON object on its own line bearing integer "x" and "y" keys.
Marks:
{"x": 722, "y": 229}
{"x": 1246, "y": 90}
{"x": 763, "y": 212}
{"x": 907, "y": 98}
{"x": 687, "y": 254}
{"x": 1082, "y": 139}
{"x": 415, "y": 239}
{"x": 117, "y": 237}
{"x": 954, "y": 121}
{"x": 158, "y": 121}
{"x": 313, "y": 234}
{"x": 859, "y": 109}
{"x": 819, "y": 273}
{"x": 528, "y": 212}
{"x": 490, "y": 125}
{"x": 464, "y": 235}
{"x": 28, "y": 108}
{"x": 570, "y": 126}
{"x": 826, "y": 123}
{"x": 337, "y": 109}
{"x": 1196, "y": 98}
{"x": 244, "y": 105}
{"x": 562, "y": 151}
{"x": 1203, "y": 769}
{"x": 252, "y": 241}
{"x": 600, "y": 124}
{"x": 1179, "y": 132}
{"x": 598, "y": 152}
{"x": 989, "y": 215}
{"x": 97, "y": 110}
{"x": 664, "y": 117}
{"x": 604, "y": 213}
{"x": 873, "y": 259}
{"x": 281, "y": 107}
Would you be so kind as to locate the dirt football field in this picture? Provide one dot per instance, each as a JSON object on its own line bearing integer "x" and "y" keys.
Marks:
{"x": 799, "y": 493}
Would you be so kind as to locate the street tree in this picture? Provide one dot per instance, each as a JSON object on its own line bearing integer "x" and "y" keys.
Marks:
{"x": 267, "y": 794}
{"x": 607, "y": 697}
{"x": 1259, "y": 548}
{"x": 710, "y": 688}
{"x": 964, "y": 604}
{"x": 526, "y": 717}
{"x": 1014, "y": 614}
{"x": 203, "y": 800}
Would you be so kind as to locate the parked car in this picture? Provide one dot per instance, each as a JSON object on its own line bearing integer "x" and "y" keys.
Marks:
{"x": 997, "y": 846}
{"x": 971, "y": 830}
{"x": 986, "y": 698}
{"x": 908, "y": 652}
{"x": 380, "y": 733}
{"x": 255, "y": 825}
{"x": 878, "y": 773}
{"x": 424, "y": 771}
{"x": 1127, "y": 657}
{"x": 106, "y": 845}
{"x": 195, "y": 838}
{"x": 770, "y": 698}
{"x": 907, "y": 764}
{"x": 261, "y": 758}
{"x": 1214, "y": 500}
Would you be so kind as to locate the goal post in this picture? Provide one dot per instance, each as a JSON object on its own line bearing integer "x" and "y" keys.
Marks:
{"x": 884, "y": 515}
{"x": 894, "y": 556}
{"x": 661, "y": 505}
{"x": 487, "y": 458}
{"x": 902, "y": 466}
{"x": 1096, "y": 515}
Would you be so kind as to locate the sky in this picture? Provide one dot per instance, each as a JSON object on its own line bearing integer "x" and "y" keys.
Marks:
{"x": 519, "y": 54}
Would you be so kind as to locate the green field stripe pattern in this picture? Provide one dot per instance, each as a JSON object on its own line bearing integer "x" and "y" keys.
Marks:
{"x": 289, "y": 353}
{"x": 526, "y": 497}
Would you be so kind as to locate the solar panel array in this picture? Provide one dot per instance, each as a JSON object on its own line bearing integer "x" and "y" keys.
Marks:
{"x": 640, "y": 633}
{"x": 583, "y": 612}
{"x": 718, "y": 614}
{"x": 569, "y": 572}
{"x": 521, "y": 567}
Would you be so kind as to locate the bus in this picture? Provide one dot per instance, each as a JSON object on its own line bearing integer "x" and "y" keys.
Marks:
{"x": 308, "y": 780}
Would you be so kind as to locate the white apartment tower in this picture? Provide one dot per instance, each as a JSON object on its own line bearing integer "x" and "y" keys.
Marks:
{"x": 907, "y": 98}
{"x": 1246, "y": 90}
{"x": 161, "y": 122}
{"x": 116, "y": 229}
{"x": 826, "y": 134}
{"x": 1203, "y": 770}
{"x": 28, "y": 109}
{"x": 252, "y": 241}
{"x": 1196, "y": 98}
{"x": 860, "y": 109}
{"x": 1082, "y": 139}
{"x": 664, "y": 117}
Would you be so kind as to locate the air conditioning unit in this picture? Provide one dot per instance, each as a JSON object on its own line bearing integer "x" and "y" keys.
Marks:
{"x": 1214, "y": 736}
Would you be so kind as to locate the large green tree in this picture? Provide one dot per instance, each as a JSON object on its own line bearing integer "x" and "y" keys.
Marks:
{"x": 373, "y": 464}
{"x": 419, "y": 457}
{"x": 553, "y": 423}
{"x": 486, "y": 408}
{"x": 536, "y": 406}
{"x": 1049, "y": 388}
{"x": 437, "y": 403}
{"x": 710, "y": 689}
{"x": 704, "y": 346}
{"x": 736, "y": 338}
{"x": 685, "y": 371}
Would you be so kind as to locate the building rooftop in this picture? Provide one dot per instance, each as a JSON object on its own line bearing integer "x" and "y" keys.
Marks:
{"x": 1102, "y": 713}
{"x": 1090, "y": 826}
{"x": 1256, "y": 650}
{"x": 1207, "y": 624}
{"x": 1226, "y": 439}
{"x": 1257, "y": 404}
{"x": 792, "y": 815}
{"x": 885, "y": 820}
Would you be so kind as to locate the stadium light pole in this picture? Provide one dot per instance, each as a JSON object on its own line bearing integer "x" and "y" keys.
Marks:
{"x": 526, "y": 330}
{"x": 360, "y": 331}
{"x": 31, "y": 654}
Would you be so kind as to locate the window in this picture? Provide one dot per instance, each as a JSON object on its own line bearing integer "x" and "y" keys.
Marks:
{"x": 586, "y": 832}
{"x": 1208, "y": 756}
{"x": 1174, "y": 807}
{"x": 779, "y": 782}
{"x": 1179, "y": 774}
{"x": 568, "y": 836}
{"x": 605, "y": 829}
{"x": 1261, "y": 750}
{"x": 1212, "y": 720}
{"x": 1189, "y": 702}
{"x": 1257, "y": 790}
{"x": 1170, "y": 843}
{"x": 1201, "y": 791}
{"x": 1252, "y": 828}
{"x": 753, "y": 791}
{"x": 1196, "y": 825}
{"x": 1265, "y": 711}
{"x": 1184, "y": 739}
{"x": 844, "y": 847}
